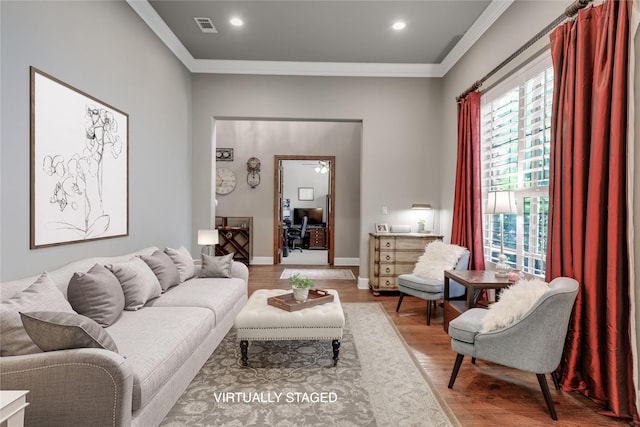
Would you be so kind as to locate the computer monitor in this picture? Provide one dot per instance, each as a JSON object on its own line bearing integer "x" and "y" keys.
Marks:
{"x": 314, "y": 216}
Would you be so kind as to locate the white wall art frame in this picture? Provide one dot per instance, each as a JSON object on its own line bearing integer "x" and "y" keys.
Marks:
{"x": 79, "y": 165}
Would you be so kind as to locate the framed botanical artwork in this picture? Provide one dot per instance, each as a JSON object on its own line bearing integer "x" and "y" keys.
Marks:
{"x": 305, "y": 193}
{"x": 79, "y": 165}
{"x": 382, "y": 228}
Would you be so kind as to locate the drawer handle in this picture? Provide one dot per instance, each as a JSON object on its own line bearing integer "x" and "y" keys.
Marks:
{"x": 388, "y": 257}
{"x": 388, "y": 244}
{"x": 388, "y": 270}
{"x": 388, "y": 283}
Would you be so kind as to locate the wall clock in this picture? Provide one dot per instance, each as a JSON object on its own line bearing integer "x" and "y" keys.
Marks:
{"x": 225, "y": 181}
{"x": 253, "y": 177}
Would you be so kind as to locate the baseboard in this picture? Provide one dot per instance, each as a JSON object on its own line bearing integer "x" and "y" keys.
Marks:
{"x": 363, "y": 283}
{"x": 262, "y": 260}
{"x": 347, "y": 262}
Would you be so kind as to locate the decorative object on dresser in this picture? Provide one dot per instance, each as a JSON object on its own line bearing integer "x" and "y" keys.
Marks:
{"x": 424, "y": 226}
{"x": 235, "y": 234}
{"x": 208, "y": 239}
{"x": 427, "y": 279}
{"x": 393, "y": 254}
{"x": 501, "y": 202}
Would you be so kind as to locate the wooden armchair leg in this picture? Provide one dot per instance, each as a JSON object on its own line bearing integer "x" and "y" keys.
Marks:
{"x": 399, "y": 302}
{"x": 429, "y": 302}
{"x": 456, "y": 368}
{"x": 542, "y": 379}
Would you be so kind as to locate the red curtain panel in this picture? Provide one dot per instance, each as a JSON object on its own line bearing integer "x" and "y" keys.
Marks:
{"x": 467, "y": 206}
{"x": 588, "y": 202}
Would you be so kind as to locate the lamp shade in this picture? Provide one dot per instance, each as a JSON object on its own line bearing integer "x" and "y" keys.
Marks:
{"x": 421, "y": 206}
{"x": 501, "y": 202}
{"x": 207, "y": 237}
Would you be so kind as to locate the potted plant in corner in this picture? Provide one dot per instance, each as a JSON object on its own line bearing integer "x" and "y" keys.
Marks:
{"x": 421, "y": 225}
{"x": 300, "y": 286}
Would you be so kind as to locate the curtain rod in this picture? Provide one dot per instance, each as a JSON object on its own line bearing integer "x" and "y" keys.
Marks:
{"x": 569, "y": 12}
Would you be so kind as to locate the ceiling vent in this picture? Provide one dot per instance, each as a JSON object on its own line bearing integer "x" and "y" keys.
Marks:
{"x": 205, "y": 25}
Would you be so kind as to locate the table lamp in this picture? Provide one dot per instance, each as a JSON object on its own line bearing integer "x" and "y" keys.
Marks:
{"x": 501, "y": 202}
{"x": 208, "y": 238}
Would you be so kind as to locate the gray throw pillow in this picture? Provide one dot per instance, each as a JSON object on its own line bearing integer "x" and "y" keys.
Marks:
{"x": 41, "y": 295}
{"x": 216, "y": 266}
{"x": 55, "y": 330}
{"x": 163, "y": 267}
{"x": 138, "y": 282}
{"x": 97, "y": 294}
{"x": 183, "y": 261}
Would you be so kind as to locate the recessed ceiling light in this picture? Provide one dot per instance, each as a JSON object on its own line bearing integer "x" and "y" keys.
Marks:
{"x": 399, "y": 25}
{"x": 236, "y": 22}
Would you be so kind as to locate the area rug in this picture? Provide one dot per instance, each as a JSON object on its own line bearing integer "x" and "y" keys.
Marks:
{"x": 319, "y": 273}
{"x": 294, "y": 383}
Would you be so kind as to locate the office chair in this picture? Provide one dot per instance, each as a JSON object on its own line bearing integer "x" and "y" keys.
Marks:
{"x": 297, "y": 234}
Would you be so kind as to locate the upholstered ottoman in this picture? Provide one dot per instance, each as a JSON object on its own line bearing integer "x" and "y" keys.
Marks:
{"x": 259, "y": 321}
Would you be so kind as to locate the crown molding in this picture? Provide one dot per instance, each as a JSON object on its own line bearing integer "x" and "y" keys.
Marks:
{"x": 294, "y": 68}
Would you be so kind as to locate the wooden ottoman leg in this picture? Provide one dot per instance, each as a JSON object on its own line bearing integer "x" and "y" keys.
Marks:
{"x": 336, "y": 350}
{"x": 244, "y": 345}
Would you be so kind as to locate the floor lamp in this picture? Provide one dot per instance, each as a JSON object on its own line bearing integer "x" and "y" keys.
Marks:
{"x": 501, "y": 202}
{"x": 209, "y": 239}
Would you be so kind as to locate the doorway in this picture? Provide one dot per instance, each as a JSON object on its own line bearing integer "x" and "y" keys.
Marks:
{"x": 304, "y": 189}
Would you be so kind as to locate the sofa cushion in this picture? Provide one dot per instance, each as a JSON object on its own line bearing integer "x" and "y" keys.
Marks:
{"x": 164, "y": 268}
{"x": 216, "y": 266}
{"x": 138, "y": 282}
{"x": 41, "y": 295}
{"x": 156, "y": 342}
{"x": 183, "y": 261}
{"x": 96, "y": 294}
{"x": 57, "y": 330}
{"x": 466, "y": 326}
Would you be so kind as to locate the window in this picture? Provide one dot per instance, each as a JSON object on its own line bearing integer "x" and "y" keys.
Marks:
{"x": 516, "y": 145}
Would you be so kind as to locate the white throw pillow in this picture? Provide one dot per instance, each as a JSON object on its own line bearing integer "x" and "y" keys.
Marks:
{"x": 437, "y": 258}
{"x": 183, "y": 260}
{"x": 514, "y": 302}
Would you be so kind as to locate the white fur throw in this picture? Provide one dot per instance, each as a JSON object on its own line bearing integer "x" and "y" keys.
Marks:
{"x": 437, "y": 258}
{"x": 514, "y": 302}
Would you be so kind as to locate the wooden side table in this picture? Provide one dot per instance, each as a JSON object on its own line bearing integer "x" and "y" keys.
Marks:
{"x": 12, "y": 406}
{"x": 474, "y": 281}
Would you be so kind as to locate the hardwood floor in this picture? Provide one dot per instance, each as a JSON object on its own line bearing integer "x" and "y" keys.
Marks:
{"x": 484, "y": 394}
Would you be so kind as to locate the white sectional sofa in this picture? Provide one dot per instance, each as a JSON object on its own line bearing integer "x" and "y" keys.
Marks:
{"x": 160, "y": 348}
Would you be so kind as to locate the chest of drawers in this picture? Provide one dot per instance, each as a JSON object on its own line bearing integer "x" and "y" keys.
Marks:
{"x": 393, "y": 254}
{"x": 317, "y": 238}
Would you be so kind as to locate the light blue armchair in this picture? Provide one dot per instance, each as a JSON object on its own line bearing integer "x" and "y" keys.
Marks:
{"x": 534, "y": 343}
{"x": 430, "y": 289}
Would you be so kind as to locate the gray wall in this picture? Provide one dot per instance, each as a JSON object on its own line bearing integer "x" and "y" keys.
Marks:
{"x": 264, "y": 139}
{"x": 105, "y": 50}
{"x": 401, "y": 134}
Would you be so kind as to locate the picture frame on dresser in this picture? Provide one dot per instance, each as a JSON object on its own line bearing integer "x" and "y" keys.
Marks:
{"x": 382, "y": 228}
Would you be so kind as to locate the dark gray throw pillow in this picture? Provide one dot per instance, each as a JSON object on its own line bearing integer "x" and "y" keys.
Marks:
{"x": 216, "y": 266}
{"x": 97, "y": 294}
{"x": 56, "y": 330}
{"x": 164, "y": 268}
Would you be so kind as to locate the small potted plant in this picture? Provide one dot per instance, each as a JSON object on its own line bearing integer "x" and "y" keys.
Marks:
{"x": 421, "y": 225}
{"x": 300, "y": 286}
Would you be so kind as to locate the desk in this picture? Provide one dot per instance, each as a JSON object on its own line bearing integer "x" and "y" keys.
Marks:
{"x": 475, "y": 281}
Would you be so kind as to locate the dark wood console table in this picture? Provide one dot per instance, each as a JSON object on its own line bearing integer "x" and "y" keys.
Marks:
{"x": 475, "y": 281}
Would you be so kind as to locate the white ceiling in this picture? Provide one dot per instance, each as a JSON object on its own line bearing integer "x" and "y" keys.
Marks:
{"x": 322, "y": 37}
